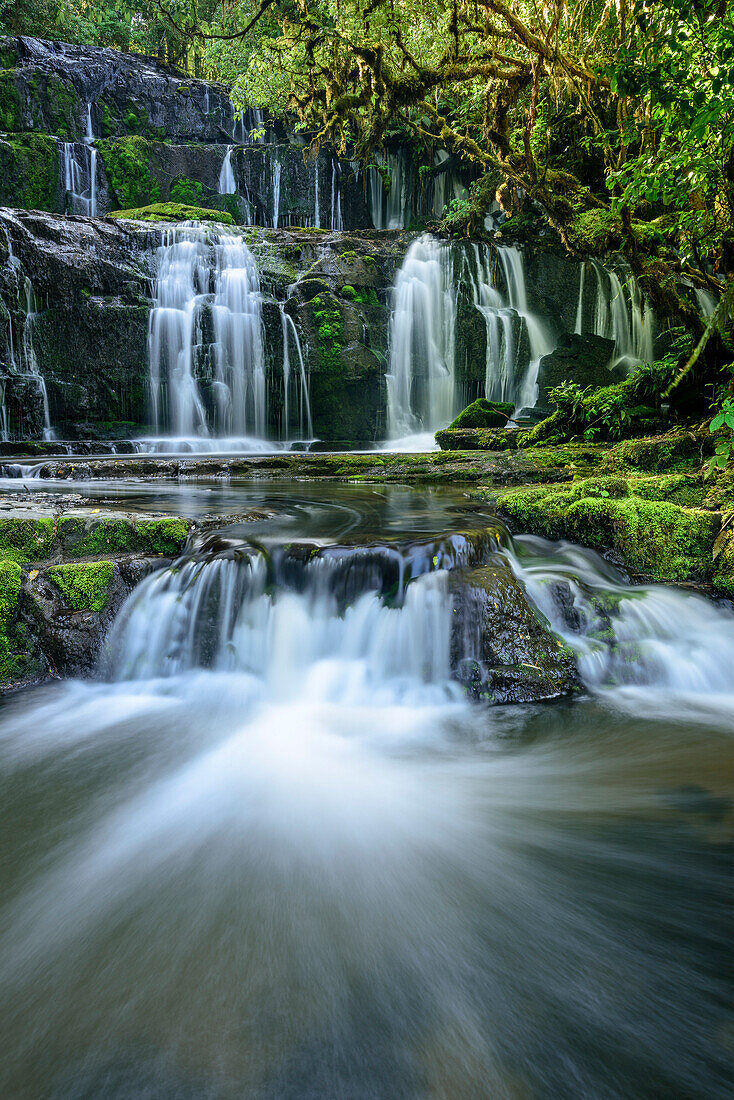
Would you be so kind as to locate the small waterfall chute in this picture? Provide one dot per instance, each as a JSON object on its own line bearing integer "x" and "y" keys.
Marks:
{"x": 421, "y": 391}
{"x": 227, "y": 180}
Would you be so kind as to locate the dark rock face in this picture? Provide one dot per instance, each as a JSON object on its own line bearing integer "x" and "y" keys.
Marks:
{"x": 47, "y": 86}
{"x": 69, "y": 640}
{"x": 583, "y": 359}
{"x": 501, "y": 650}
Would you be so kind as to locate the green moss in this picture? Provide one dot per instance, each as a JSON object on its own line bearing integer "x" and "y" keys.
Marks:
{"x": 127, "y": 164}
{"x": 477, "y": 439}
{"x": 186, "y": 191}
{"x": 162, "y": 536}
{"x": 330, "y": 333}
{"x": 597, "y": 230}
{"x": 484, "y": 414}
{"x": 26, "y": 540}
{"x": 674, "y": 451}
{"x": 29, "y": 172}
{"x": 365, "y": 295}
{"x": 85, "y": 537}
{"x": 654, "y": 537}
{"x": 84, "y": 585}
{"x": 11, "y": 102}
{"x": 10, "y": 580}
{"x": 174, "y": 212}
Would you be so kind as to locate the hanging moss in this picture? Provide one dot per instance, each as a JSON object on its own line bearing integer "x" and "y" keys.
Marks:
{"x": 84, "y": 585}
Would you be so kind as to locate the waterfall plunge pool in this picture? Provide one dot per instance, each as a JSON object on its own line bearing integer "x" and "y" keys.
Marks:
{"x": 273, "y": 851}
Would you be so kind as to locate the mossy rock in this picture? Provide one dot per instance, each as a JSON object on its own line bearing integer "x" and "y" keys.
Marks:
{"x": 83, "y": 585}
{"x": 30, "y": 172}
{"x": 174, "y": 212}
{"x": 84, "y": 536}
{"x": 483, "y": 414}
{"x": 657, "y": 538}
{"x": 127, "y": 165}
{"x": 477, "y": 439}
{"x": 673, "y": 451}
{"x": 26, "y": 540}
{"x": 19, "y": 657}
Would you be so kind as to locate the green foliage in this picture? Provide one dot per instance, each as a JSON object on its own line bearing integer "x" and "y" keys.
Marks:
{"x": 330, "y": 333}
{"x": 187, "y": 192}
{"x": 724, "y": 447}
{"x": 484, "y": 414}
{"x": 84, "y": 585}
{"x": 174, "y": 212}
{"x": 609, "y": 413}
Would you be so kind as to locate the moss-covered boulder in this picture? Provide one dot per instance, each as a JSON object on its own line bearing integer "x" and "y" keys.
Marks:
{"x": 484, "y": 414}
{"x": 174, "y": 212}
{"x": 477, "y": 439}
{"x": 653, "y": 537}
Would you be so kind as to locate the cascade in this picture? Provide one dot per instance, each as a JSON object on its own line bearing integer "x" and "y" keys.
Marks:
{"x": 305, "y": 425}
{"x": 337, "y": 222}
{"x": 29, "y": 356}
{"x": 4, "y": 432}
{"x": 706, "y": 301}
{"x": 506, "y": 378}
{"x": 89, "y": 141}
{"x": 79, "y": 172}
{"x": 194, "y": 273}
{"x": 619, "y": 314}
{"x": 227, "y": 181}
{"x": 316, "y": 210}
{"x": 420, "y": 382}
{"x": 277, "y": 169}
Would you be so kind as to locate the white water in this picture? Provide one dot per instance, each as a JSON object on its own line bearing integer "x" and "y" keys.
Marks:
{"x": 421, "y": 394}
{"x": 280, "y": 855}
{"x": 337, "y": 221}
{"x": 277, "y": 170}
{"x": 617, "y": 312}
{"x": 316, "y": 207}
{"x": 79, "y": 172}
{"x": 196, "y": 270}
{"x": 227, "y": 181}
{"x": 29, "y": 356}
{"x": 706, "y": 301}
{"x": 298, "y": 383}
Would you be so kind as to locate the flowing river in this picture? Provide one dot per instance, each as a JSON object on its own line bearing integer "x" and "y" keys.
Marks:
{"x": 274, "y": 851}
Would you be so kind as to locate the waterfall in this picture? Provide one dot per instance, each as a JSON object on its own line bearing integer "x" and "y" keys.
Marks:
{"x": 620, "y": 314}
{"x": 29, "y": 356}
{"x": 316, "y": 212}
{"x": 197, "y": 272}
{"x": 390, "y": 209}
{"x": 420, "y": 382}
{"x": 277, "y": 169}
{"x": 579, "y": 323}
{"x": 79, "y": 172}
{"x": 89, "y": 140}
{"x": 705, "y": 300}
{"x": 290, "y": 335}
{"x": 220, "y": 614}
{"x": 337, "y": 222}
{"x": 227, "y": 181}
{"x": 240, "y": 365}
{"x": 506, "y": 316}
{"x": 4, "y": 432}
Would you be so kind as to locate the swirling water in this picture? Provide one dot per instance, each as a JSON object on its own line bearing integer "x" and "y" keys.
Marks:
{"x": 273, "y": 852}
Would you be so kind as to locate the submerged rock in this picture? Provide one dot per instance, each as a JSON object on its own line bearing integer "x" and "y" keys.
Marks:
{"x": 502, "y": 649}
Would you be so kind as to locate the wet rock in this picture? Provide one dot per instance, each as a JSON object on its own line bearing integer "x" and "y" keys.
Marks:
{"x": 502, "y": 648}
{"x": 581, "y": 359}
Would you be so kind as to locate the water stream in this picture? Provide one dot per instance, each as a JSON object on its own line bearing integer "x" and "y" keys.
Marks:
{"x": 274, "y": 852}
